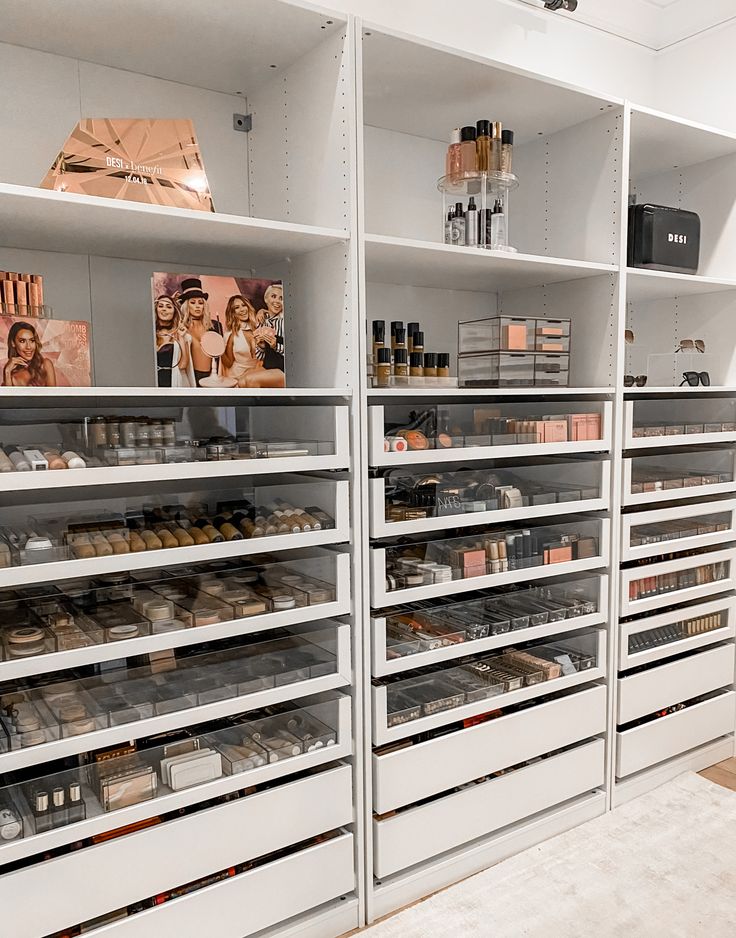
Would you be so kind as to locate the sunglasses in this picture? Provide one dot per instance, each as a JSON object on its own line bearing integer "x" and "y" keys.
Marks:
{"x": 638, "y": 380}
{"x": 691, "y": 345}
{"x": 694, "y": 378}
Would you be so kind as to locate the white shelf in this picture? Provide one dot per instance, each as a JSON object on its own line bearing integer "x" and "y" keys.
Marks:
{"x": 243, "y": 397}
{"x": 383, "y": 666}
{"x": 643, "y": 286}
{"x": 487, "y": 393}
{"x": 112, "y": 651}
{"x": 661, "y": 142}
{"x": 168, "y": 800}
{"x": 441, "y": 266}
{"x": 382, "y": 733}
{"x": 42, "y": 220}
{"x": 687, "y": 391}
{"x": 112, "y": 735}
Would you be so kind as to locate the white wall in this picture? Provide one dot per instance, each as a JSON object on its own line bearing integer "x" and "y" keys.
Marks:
{"x": 696, "y": 78}
{"x": 521, "y": 35}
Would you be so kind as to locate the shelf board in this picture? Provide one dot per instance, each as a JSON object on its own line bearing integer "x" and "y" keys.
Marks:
{"x": 666, "y": 443}
{"x": 166, "y": 472}
{"x": 378, "y": 394}
{"x": 661, "y": 142}
{"x": 168, "y": 800}
{"x": 200, "y": 553}
{"x": 687, "y": 391}
{"x": 642, "y": 286}
{"x": 468, "y": 454}
{"x": 441, "y": 266}
{"x": 32, "y": 397}
{"x": 112, "y": 735}
{"x": 44, "y": 220}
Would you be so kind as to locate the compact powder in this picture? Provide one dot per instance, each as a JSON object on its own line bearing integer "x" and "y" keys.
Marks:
{"x": 216, "y": 588}
{"x": 33, "y": 739}
{"x": 27, "y": 723}
{"x": 155, "y": 609}
{"x": 292, "y": 580}
{"x": 72, "y": 711}
{"x": 80, "y": 726}
{"x": 118, "y": 632}
{"x": 282, "y": 601}
{"x": 166, "y": 625}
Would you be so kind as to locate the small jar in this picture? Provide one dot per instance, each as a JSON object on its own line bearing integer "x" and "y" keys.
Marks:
{"x": 143, "y": 431}
{"x": 113, "y": 431}
{"x": 128, "y": 431}
{"x": 97, "y": 432}
{"x": 168, "y": 431}
{"x": 157, "y": 433}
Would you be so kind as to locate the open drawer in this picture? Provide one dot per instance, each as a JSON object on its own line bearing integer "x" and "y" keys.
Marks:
{"x": 683, "y": 527}
{"x": 245, "y": 904}
{"x": 665, "y": 737}
{"x": 425, "y": 769}
{"x": 655, "y": 637}
{"x": 693, "y": 576}
{"x": 417, "y": 834}
{"x": 660, "y": 686}
{"x": 667, "y": 476}
{"x": 86, "y": 883}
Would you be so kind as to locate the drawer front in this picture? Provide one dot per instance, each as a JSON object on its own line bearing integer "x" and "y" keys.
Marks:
{"x": 646, "y": 745}
{"x": 420, "y": 833}
{"x": 697, "y": 625}
{"x": 686, "y": 527}
{"x": 659, "y": 687}
{"x": 173, "y": 854}
{"x": 419, "y": 771}
{"x": 682, "y": 578}
{"x": 251, "y": 901}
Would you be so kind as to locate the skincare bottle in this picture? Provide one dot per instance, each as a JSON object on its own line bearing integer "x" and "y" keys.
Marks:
{"x": 18, "y": 459}
{"x": 416, "y": 365}
{"x": 383, "y": 368}
{"x": 379, "y": 338}
{"x": 73, "y": 460}
{"x": 498, "y": 226}
{"x": 458, "y": 225}
{"x": 401, "y": 363}
{"x": 471, "y": 224}
{"x": 443, "y": 365}
{"x": 483, "y": 145}
{"x": 468, "y": 156}
{"x": 453, "y": 160}
{"x": 496, "y": 143}
{"x": 430, "y": 365}
{"x": 448, "y": 226}
{"x": 507, "y": 151}
{"x": 5, "y": 463}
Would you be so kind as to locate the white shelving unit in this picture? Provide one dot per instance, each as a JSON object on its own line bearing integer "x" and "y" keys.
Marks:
{"x": 334, "y": 191}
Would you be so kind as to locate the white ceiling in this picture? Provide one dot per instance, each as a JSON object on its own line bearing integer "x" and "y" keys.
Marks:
{"x": 656, "y": 24}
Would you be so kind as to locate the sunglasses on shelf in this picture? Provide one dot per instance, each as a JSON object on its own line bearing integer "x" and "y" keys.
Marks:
{"x": 695, "y": 378}
{"x": 638, "y": 380}
{"x": 691, "y": 345}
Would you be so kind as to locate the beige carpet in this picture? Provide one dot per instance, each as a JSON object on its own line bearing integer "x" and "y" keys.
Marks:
{"x": 662, "y": 866}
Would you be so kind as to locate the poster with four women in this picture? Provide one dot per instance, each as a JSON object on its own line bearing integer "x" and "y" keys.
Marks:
{"x": 218, "y": 332}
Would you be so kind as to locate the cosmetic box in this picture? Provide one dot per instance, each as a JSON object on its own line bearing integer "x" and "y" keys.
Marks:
{"x": 663, "y": 238}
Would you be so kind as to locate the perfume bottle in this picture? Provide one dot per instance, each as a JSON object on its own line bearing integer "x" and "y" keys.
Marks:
{"x": 471, "y": 223}
{"x": 507, "y": 151}
{"x": 496, "y": 144}
{"x": 498, "y": 226}
{"x": 458, "y": 225}
{"x": 453, "y": 160}
{"x": 483, "y": 145}
{"x": 468, "y": 155}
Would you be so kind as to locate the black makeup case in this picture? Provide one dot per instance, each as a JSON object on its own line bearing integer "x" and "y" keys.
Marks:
{"x": 662, "y": 238}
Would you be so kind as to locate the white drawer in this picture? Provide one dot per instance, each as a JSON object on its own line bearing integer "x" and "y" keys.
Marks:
{"x": 724, "y": 606}
{"x": 87, "y": 883}
{"x": 419, "y": 771}
{"x": 700, "y": 510}
{"x": 252, "y": 901}
{"x": 417, "y": 834}
{"x": 661, "y": 739}
{"x": 630, "y": 606}
{"x": 661, "y": 686}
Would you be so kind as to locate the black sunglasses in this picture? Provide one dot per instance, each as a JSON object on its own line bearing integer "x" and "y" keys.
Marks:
{"x": 694, "y": 378}
{"x": 639, "y": 381}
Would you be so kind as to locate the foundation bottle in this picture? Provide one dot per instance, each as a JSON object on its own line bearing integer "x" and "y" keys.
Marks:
{"x": 483, "y": 145}
{"x": 383, "y": 368}
{"x": 379, "y": 338}
{"x": 453, "y": 160}
{"x": 416, "y": 366}
{"x": 411, "y": 328}
{"x": 398, "y": 341}
{"x": 430, "y": 365}
{"x": 418, "y": 343}
{"x": 468, "y": 155}
{"x": 443, "y": 365}
{"x": 507, "y": 151}
{"x": 401, "y": 364}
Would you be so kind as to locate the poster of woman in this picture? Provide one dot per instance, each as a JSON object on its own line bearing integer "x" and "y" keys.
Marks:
{"x": 218, "y": 331}
{"x": 44, "y": 353}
